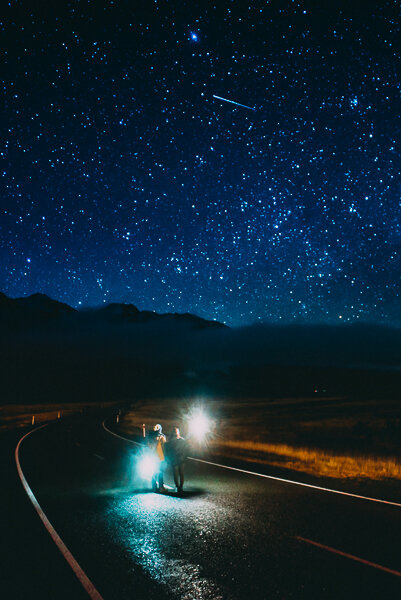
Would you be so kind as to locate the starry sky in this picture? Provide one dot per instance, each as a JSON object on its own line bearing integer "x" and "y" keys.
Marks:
{"x": 124, "y": 179}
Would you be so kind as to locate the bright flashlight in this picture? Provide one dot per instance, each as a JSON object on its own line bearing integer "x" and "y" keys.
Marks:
{"x": 198, "y": 426}
{"x": 147, "y": 466}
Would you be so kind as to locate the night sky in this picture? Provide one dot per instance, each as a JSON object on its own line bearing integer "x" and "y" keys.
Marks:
{"x": 123, "y": 179}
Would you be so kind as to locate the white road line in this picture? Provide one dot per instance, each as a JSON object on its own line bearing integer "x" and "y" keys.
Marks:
{"x": 98, "y": 456}
{"x": 119, "y": 436}
{"x": 80, "y": 574}
{"x": 308, "y": 485}
{"x": 351, "y": 556}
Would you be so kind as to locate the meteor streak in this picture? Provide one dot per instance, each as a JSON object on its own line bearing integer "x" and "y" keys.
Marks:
{"x": 232, "y": 102}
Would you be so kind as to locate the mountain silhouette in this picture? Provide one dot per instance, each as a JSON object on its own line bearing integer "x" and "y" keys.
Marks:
{"x": 49, "y": 351}
{"x": 39, "y": 311}
{"x": 36, "y": 310}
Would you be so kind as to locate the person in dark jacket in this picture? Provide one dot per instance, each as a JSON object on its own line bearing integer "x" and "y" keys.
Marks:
{"x": 177, "y": 455}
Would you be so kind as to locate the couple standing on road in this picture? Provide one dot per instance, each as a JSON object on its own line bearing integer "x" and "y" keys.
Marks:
{"x": 173, "y": 451}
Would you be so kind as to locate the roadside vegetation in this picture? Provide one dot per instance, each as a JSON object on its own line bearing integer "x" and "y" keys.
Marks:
{"x": 339, "y": 438}
{"x": 22, "y": 415}
{"x": 312, "y": 461}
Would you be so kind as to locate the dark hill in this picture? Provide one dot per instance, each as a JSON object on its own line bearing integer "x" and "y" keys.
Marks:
{"x": 128, "y": 313}
{"x": 39, "y": 311}
{"x": 50, "y": 351}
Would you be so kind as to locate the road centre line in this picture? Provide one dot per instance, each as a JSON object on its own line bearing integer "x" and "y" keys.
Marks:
{"x": 351, "y": 556}
{"x": 308, "y": 485}
{"x": 78, "y": 571}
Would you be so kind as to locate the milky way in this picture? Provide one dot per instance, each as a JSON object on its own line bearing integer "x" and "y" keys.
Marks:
{"x": 125, "y": 180}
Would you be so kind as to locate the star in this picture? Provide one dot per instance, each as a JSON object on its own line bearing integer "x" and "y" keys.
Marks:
{"x": 282, "y": 209}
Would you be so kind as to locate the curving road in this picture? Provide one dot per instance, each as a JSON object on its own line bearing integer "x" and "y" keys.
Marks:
{"x": 231, "y": 536}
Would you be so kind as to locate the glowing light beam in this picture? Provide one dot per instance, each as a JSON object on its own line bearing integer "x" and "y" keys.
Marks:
{"x": 147, "y": 466}
{"x": 198, "y": 425}
{"x": 232, "y": 102}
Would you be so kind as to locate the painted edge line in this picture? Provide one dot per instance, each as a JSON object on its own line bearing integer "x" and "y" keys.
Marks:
{"x": 351, "y": 556}
{"x": 79, "y": 573}
{"x": 299, "y": 538}
{"x": 119, "y": 436}
{"x": 308, "y": 485}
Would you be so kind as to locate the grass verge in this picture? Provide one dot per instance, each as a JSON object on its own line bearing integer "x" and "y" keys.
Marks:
{"x": 312, "y": 461}
{"x": 338, "y": 438}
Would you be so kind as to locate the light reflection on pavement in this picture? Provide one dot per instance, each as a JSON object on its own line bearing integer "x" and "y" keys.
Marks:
{"x": 146, "y": 519}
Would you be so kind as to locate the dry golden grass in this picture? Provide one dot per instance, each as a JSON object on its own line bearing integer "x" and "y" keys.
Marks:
{"x": 312, "y": 461}
{"x": 325, "y": 437}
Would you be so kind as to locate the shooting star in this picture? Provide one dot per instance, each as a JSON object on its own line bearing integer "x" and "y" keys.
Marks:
{"x": 232, "y": 102}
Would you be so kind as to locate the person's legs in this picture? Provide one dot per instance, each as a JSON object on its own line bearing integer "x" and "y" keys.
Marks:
{"x": 161, "y": 475}
{"x": 181, "y": 472}
{"x": 175, "y": 475}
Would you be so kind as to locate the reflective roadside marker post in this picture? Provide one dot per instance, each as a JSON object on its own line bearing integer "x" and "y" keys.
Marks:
{"x": 58, "y": 414}
{"x": 33, "y": 419}
{"x": 143, "y": 430}
{"x": 118, "y": 418}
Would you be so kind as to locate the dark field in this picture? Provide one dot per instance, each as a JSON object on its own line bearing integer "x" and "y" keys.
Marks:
{"x": 331, "y": 437}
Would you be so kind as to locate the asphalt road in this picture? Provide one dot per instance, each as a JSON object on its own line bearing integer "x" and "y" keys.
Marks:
{"x": 231, "y": 535}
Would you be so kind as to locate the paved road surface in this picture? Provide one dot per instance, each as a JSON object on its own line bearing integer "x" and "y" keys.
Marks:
{"x": 232, "y": 535}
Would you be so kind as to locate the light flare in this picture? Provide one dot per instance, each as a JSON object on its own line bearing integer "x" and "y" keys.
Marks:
{"x": 147, "y": 466}
{"x": 198, "y": 425}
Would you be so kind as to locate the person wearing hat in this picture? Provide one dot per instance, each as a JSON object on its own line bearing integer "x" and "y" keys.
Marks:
{"x": 156, "y": 442}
